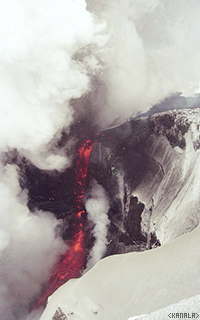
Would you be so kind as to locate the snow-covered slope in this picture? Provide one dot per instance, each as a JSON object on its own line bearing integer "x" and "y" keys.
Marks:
{"x": 185, "y": 309}
{"x": 155, "y": 161}
{"x": 176, "y": 196}
{"x": 122, "y": 286}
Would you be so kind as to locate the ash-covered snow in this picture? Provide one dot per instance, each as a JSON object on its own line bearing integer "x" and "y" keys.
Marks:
{"x": 174, "y": 189}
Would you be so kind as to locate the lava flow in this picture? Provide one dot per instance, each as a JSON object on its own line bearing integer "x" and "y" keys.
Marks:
{"x": 74, "y": 259}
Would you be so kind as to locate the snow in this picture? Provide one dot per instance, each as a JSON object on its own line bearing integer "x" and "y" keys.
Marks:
{"x": 189, "y": 306}
{"x": 181, "y": 200}
{"x": 174, "y": 188}
{"x": 123, "y": 286}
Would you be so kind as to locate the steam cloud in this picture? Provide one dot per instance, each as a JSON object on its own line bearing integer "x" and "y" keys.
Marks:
{"x": 97, "y": 207}
{"x": 152, "y": 52}
{"x": 124, "y": 56}
{"x": 38, "y": 78}
{"x": 28, "y": 247}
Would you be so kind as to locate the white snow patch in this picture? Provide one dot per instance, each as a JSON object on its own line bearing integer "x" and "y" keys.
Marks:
{"x": 188, "y": 306}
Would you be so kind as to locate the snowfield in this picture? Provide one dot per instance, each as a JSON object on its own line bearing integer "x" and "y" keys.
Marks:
{"x": 185, "y": 309}
{"x": 122, "y": 286}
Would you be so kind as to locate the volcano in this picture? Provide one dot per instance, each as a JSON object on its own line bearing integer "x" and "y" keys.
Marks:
{"x": 149, "y": 168}
{"x": 99, "y": 157}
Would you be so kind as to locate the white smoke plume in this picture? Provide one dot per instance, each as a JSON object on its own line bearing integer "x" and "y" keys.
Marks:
{"x": 38, "y": 78}
{"x": 39, "y": 75}
{"x": 97, "y": 207}
{"x": 153, "y": 51}
{"x": 51, "y": 51}
{"x": 28, "y": 247}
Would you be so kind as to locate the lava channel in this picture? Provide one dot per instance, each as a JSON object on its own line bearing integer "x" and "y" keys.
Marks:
{"x": 74, "y": 259}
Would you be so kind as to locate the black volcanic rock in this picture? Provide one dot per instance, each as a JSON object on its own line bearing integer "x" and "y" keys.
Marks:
{"x": 133, "y": 219}
{"x": 50, "y": 191}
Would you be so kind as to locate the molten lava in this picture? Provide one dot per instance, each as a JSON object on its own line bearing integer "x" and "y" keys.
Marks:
{"x": 74, "y": 259}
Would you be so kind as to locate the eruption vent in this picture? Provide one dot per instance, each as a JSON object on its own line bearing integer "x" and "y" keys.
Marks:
{"x": 74, "y": 259}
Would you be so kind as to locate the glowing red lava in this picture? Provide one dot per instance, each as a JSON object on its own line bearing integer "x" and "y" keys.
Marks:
{"x": 74, "y": 259}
